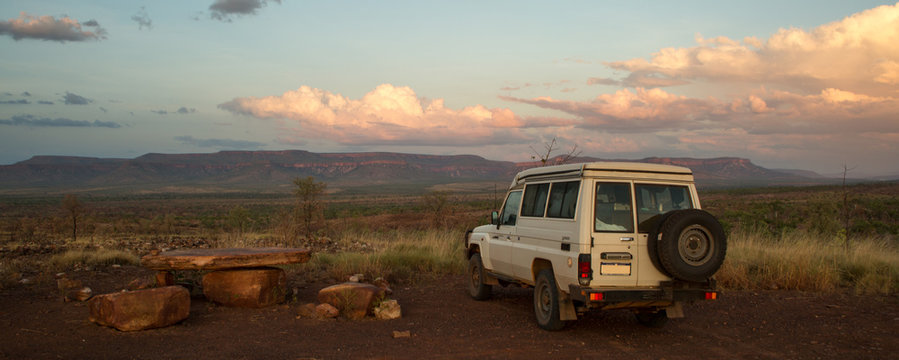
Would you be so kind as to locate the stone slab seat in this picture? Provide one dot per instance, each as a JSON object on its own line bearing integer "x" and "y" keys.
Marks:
{"x": 141, "y": 309}
{"x": 220, "y": 259}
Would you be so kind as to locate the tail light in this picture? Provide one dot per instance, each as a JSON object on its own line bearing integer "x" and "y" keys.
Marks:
{"x": 584, "y": 269}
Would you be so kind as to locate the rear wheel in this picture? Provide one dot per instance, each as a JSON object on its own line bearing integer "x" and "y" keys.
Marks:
{"x": 652, "y": 319}
{"x": 546, "y": 301}
{"x": 476, "y": 286}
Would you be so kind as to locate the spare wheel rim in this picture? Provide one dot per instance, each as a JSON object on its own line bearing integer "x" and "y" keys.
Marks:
{"x": 695, "y": 245}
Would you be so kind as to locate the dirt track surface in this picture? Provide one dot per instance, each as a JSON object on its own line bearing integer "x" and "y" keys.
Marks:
{"x": 445, "y": 322}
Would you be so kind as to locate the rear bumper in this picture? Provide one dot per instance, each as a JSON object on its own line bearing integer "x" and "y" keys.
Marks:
{"x": 668, "y": 292}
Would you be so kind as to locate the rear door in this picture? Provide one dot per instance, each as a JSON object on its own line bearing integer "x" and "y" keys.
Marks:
{"x": 615, "y": 255}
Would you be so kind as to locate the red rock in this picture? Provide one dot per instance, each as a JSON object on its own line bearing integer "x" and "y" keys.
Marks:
{"x": 141, "y": 309}
{"x": 326, "y": 311}
{"x": 388, "y": 310}
{"x": 81, "y": 294}
{"x": 354, "y": 300}
{"x": 254, "y": 288}
{"x": 219, "y": 259}
{"x": 164, "y": 278}
{"x": 140, "y": 284}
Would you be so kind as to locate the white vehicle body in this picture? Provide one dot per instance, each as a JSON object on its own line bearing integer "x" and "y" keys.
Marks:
{"x": 591, "y": 224}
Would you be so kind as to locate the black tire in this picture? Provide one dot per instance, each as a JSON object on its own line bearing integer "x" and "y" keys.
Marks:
{"x": 546, "y": 301}
{"x": 652, "y": 242}
{"x": 693, "y": 245}
{"x": 476, "y": 286}
{"x": 652, "y": 319}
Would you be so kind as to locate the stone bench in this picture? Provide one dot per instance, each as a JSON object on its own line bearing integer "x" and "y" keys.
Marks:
{"x": 242, "y": 277}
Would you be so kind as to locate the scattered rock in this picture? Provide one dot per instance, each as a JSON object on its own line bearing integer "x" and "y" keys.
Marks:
{"x": 326, "y": 311}
{"x": 65, "y": 284}
{"x": 253, "y": 288}
{"x": 388, "y": 310}
{"x": 306, "y": 311}
{"x": 141, "y": 309}
{"x": 358, "y": 278}
{"x": 82, "y": 294}
{"x": 164, "y": 278}
{"x": 401, "y": 334}
{"x": 354, "y": 300}
{"x": 26, "y": 281}
{"x": 383, "y": 284}
{"x": 140, "y": 284}
{"x": 60, "y": 275}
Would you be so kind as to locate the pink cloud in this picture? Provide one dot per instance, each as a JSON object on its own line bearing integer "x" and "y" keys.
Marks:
{"x": 51, "y": 29}
{"x": 386, "y": 115}
{"x": 857, "y": 53}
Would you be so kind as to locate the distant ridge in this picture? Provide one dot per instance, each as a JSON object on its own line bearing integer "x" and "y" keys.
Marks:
{"x": 273, "y": 171}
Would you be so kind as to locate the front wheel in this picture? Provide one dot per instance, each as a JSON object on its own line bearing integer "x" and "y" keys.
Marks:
{"x": 546, "y": 301}
{"x": 476, "y": 286}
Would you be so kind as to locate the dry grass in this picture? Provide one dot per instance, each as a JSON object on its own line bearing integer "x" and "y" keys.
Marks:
{"x": 802, "y": 261}
{"x": 404, "y": 255}
{"x": 71, "y": 258}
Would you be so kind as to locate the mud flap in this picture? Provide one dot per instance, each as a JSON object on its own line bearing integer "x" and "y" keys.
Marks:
{"x": 675, "y": 311}
{"x": 566, "y": 307}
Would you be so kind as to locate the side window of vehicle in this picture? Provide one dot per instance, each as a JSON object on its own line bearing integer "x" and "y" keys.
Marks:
{"x": 510, "y": 209}
{"x": 534, "y": 203}
{"x": 613, "y": 208}
{"x": 563, "y": 199}
{"x": 655, "y": 200}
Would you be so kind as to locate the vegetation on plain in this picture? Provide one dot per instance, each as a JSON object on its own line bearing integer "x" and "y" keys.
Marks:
{"x": 779, "y": 238}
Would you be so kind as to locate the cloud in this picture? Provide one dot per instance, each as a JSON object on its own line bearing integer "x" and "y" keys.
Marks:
{"x": 49, "y": 28}
{"x": 181, "y": 111}
{"x": 75, "y": 99}
{"x": 45, "y": 102}
{"x": 33, "y": 121}
{"x": 142, "y": 19}
{"x": 219, "y": 143}
{"x": 15, "y": 102}
{"x": 25, "y": 93}
{"x": 857, "y": 54}
{"x": 386, "y": 115}
{"x": 222, "y": 10}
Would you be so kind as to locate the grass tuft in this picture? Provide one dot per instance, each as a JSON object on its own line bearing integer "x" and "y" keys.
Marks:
{"x": 99, "y": 257}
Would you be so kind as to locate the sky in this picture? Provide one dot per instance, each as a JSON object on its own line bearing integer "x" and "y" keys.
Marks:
{"x": 810, "y": 85}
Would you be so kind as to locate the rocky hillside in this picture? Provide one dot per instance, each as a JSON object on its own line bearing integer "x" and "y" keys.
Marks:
{"x": 260, "y": 170}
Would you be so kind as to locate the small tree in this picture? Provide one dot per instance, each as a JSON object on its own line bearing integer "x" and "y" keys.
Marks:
{"x": 74, "y": 207}
{"x": 545, "y": 157}
{"x": 436, "y": 203}
{"x": 308, "y": 210}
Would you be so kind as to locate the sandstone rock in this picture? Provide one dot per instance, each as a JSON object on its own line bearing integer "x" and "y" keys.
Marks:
{"x": 81, "y": 294}
{"x": 141, "y": 309}
{"x": 326, "y": 311}
{"x": 140, "y": 284}
{"x": 383, "y": 284}
{"x": 254, "y": 288}
{"x": 401, "y": 334}
{"x": 354, "y": 300}
{"x": 164, "y": 278}
{"x": 306, "y": 311}
{"x": 219, "y": 259}
{"x": 65, "y": 284}
{"x": 358, "y": 278}
{"x": 388, "y": 310}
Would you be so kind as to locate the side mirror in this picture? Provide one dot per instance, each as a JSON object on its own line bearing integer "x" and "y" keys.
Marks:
{"x": 494, "y": 218}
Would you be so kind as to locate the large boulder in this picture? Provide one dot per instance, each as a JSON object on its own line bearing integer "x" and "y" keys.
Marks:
{"x": 354, "y": 300}
{"x": 252, "y": 288}
{"x": 141, "y": 309}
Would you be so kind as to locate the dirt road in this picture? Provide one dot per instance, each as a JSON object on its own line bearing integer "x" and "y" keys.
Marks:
{"x": 446, "y": 324}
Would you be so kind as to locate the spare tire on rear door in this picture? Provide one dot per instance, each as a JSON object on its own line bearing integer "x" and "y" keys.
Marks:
{"x": 692, "y": 246}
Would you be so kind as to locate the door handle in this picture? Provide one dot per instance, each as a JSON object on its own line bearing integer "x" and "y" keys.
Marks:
{"x": 626, "y": 238}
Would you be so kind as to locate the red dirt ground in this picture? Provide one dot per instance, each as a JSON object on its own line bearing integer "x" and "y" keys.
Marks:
{"x": 445, "y": 323}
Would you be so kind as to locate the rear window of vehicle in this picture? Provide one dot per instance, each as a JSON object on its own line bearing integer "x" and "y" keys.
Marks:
{"x": 655, "y": 200}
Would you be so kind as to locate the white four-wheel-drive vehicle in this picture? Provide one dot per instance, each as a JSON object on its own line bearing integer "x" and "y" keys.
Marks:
{"x": 603, "y": 235}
